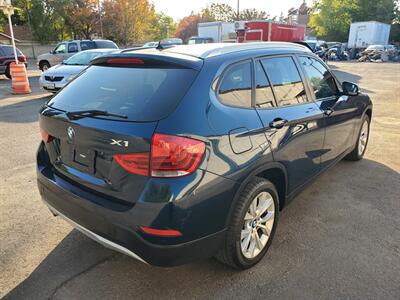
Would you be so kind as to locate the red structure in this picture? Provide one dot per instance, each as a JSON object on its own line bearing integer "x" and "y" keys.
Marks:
{"x": 252, "y": 31}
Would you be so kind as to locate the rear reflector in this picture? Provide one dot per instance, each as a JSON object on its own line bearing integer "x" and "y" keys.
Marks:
{"x": 160, "y": 232}
{"x": 124, "y": 61}
{"x": 45, "y": 136}
{"x": 170, "y": 156}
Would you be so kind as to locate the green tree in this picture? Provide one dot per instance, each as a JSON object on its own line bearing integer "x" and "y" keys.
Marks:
{"x": 331, "y": 19}
{"x": 162, "y": 26}
{"x": 127, "y": 21}
{"x": 218, "y": 12}
{"x": 253, "y": 14}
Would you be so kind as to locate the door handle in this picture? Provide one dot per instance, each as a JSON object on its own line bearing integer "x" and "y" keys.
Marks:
{"x": 277, "y": 123}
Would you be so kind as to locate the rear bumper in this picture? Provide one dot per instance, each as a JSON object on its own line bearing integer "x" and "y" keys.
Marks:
{"x": 198, "y": 211}
{"x": 99, "y": 224}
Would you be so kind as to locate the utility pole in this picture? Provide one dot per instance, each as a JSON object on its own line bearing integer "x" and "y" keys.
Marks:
{"x": 8, "y": 10}
{"x": 237, "y": 10}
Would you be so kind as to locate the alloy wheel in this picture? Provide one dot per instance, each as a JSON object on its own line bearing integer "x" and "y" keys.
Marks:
{"x": 257, "y": 226}
{"x": 362, "y": 143}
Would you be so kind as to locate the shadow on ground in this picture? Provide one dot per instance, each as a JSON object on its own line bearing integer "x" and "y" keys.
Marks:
{"x": 345, "y": 76}
{"x": 313, "y": 242}
{"x": 23, "y": 111}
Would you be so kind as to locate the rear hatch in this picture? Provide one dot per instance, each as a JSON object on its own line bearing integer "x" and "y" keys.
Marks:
{"x": 112, "y": 109}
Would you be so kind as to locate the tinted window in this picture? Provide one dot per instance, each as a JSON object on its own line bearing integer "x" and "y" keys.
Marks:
{"x": 235, "y": 87}
{"x": 141, "y": 94}
{"x": 106, "y": 45}
{"x": 8, "y": 51}
{"x": 86, "y": 45}
{"x": 62, "y": 48}
{"x": 286, "y": 80}
{"x": 321, "y": 79}
{"x": 264, "y": 95}
{"x": 83, "y": 58}
{"x": 72, "y": 47}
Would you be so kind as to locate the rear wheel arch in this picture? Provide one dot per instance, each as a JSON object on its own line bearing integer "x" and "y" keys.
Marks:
{"x": 368, "y": 112}
{"x": 274, "y": 172}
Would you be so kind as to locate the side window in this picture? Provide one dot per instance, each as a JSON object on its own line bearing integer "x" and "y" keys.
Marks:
{"x": 235, "y": 87}
{"x": 322, "y": 81}
{"x": 86, "y": 45}
{"x": 62, "y": 48}
{"x": 286, "y": 80}
{"x": 264, "y": 95}
{"x": 72, "y": 47}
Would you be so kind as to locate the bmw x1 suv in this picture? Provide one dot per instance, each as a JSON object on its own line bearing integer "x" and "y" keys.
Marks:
{"x": 175, "y": 154}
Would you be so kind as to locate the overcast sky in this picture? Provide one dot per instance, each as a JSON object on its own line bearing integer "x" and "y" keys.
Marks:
{"x": 181, "y": 8}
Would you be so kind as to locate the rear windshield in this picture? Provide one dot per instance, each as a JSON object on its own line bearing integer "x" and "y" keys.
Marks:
{"x": 142, "y": 94}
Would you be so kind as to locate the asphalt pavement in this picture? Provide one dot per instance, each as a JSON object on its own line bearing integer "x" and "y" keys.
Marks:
{"x": 339, "y": 239}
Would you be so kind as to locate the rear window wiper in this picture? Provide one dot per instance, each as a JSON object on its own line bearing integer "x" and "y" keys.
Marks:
{"x": 74, "y": 115}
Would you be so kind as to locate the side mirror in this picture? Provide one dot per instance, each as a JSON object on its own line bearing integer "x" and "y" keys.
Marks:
{"x": 350, "y": 88}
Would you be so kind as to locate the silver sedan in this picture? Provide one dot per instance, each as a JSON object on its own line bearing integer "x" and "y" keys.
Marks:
{"x": 58, "y": 76}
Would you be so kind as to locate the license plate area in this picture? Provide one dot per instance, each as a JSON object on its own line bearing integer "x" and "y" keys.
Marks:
{"x": 79, "y": 157}
{"x": 50, "y": 86}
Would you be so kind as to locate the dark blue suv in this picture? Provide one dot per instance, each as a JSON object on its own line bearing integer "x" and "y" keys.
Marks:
{"x": 171, "y": 155}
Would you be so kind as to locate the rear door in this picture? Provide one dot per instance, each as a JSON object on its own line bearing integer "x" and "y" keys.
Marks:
{"x": 292, "y": 121}
{"x": 340, "y": 124}
{"x": 88, "y": 149}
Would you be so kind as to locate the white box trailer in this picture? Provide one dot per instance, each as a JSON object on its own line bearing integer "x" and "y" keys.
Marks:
{"x": 363, "y": 34}
{"x": 218, "y": 31}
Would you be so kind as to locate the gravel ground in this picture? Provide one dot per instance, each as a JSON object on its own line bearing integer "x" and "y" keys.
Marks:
{"x": 339, "y": 239}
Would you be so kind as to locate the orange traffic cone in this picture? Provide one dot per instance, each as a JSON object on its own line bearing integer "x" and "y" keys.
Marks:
{"x": 20, "y": 83}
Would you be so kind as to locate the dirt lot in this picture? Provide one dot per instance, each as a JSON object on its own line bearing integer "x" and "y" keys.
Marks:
{"x": 339, "y": 239}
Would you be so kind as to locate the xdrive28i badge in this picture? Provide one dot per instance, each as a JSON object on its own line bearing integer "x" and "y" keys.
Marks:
{"x": 70, "y": 133}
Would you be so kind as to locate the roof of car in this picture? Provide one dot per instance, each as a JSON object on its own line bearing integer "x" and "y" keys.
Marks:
{"x": 215, "y": 49}
{"x": 193, "y": 55}
{"x": 203, "y": 51}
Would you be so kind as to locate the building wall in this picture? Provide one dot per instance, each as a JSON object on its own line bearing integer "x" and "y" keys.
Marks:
{"x": 26, "y": 48}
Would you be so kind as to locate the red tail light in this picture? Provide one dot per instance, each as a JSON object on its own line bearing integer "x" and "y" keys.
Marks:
{"x": 45, "y": 136}
{"x": 170, "y": 156}
{"x": 174, "y": 155}
{"x": 160, "y": 232}
{"x": 136, "y": 163}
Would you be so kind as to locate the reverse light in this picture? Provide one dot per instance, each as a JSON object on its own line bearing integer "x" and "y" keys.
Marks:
{"x": 170, "y": 156}
{"x": 160, "y": 232}
{"x": 46, "y": 137}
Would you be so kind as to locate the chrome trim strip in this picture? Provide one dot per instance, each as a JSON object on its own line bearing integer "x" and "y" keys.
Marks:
{"x": 106, "y": 243}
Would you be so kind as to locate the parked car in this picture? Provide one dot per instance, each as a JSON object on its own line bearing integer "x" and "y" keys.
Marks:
{"x": 199, "y": 40}
{"x": 7, "y": 57}
{"x": 58, "y": 76}
{"x": 66, "y": 49}
{"x": 150, "y": 45}
{"x": 179, "y": 154}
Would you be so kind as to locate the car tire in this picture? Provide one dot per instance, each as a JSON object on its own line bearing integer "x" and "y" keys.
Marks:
{"x": 44, "y": 65}
{"x": 236, "y": 252}
{"x": 7, "y": 72}
{"x": 362, "y": 141}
